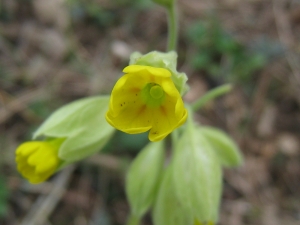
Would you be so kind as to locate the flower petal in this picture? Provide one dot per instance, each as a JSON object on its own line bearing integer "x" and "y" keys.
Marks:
{"x": 147, "y": 70}
{"x": 128, "y": 93}
{"x": 27, "y": 148}
{"x": 169, "y": 87}
{"x": 133, "y": 119}
{"x": 166, "y": 119}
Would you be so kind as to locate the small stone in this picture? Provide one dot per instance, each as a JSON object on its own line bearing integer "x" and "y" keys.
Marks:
{"x": 121, "y": 50}
{"x": 288, "y": 144}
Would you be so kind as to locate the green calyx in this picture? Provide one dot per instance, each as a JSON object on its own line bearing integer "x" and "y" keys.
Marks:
{"x": 153, "y": 95}
{"x": 55, "y": 142}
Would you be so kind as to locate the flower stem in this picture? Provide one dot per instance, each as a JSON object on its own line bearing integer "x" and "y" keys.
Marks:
{"x": 173, "y": 27}
{"x": 133, "y": 220}
{"x": 214, "y": 93}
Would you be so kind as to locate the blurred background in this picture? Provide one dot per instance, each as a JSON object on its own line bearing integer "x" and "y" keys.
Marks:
{"x": 55, "y": 51}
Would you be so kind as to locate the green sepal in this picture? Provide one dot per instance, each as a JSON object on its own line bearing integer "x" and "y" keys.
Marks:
{"x": 162, "y": 60}
{"x": 197, "y": 175}
{"x": 82, "y": 123}
{"x": 143, "y": 178}
{"x": 168, "y": 209}
{"x": 225, "y": 148}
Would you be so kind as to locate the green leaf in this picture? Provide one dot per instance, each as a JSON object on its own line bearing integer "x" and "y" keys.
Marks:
{"x": 168, "y": 209}
{"x": 83, "y": 125}
{"x": 143, "y": 178}
{"x": 224, "y": 147}
{"x": 197, "y": 175}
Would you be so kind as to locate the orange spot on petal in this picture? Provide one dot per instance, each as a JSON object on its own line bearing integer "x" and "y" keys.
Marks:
{"x": 142, "y": 110}
{"x": 135, "y": 90}
{"x": 163, "y": 110}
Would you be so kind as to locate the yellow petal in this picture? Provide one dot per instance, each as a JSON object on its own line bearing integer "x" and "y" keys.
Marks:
{"x": 147, "y": 70}
{"x": 35, "y": 158}
{"x": 165, "y": 120}
{"x": 129, "y": 93}
{"x": 183, "y": 119}
{"x": 26, "y": 170}
{"x": 27, "y": 148}
{"x": 169, "y": 87}
{"x": 37, "y": 179}
{"x": 49, "y": 165}
{"x": 133, "y": 119}
{"x": 159, "y": 72}
{"x": 163, "y": 123}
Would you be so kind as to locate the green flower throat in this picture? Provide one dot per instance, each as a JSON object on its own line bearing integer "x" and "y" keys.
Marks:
{"x": 153, "y": 95}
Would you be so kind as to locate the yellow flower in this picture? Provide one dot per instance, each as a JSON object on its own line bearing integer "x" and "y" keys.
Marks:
{"x": 38, "y": 160}
{"x": 145, "y": 98}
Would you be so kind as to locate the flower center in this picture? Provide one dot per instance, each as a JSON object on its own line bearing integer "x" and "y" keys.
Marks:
{"x": 153, "y": 95}
{"x": 156, "y": 92}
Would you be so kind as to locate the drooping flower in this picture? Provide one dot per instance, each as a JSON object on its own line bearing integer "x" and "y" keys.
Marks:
{"x": 143, "y": 99}
{"x": 38, "y": 160}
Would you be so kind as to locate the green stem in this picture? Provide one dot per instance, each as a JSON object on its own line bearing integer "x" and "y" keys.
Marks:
{"x": 133, "y": 220}
{"x": 214, "y": 93}
{"x": 173, "y": 27}
{"x": 174, "y": 137}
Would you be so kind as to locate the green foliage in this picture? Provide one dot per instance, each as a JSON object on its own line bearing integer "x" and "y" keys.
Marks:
{"x": 83, "y": 124}
{"x": 220, "y": 55}
{"x": 189, "y": 190}
{"x": 168, "y": 209}
{"x": 143, "y": 178}
{"x": 191, "y": 187}
{"x": 197, "y": 175}
{"x": 224, "y": 147}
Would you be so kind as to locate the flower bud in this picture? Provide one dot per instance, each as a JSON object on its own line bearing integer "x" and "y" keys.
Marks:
{"x": 38, "y": 160}
{"x": 162, "y": 60}
{"x": 143, "y": 178}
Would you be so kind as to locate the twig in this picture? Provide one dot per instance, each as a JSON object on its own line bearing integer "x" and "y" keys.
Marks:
{"x": 260, "y": 97}
{"x": 44, "y": 205}
{"x": 286, "y": 36}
